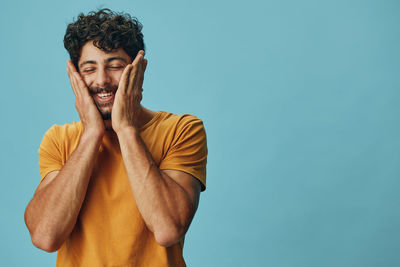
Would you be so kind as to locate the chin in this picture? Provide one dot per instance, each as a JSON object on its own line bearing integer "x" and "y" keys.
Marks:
{"x": 105, "y": 113}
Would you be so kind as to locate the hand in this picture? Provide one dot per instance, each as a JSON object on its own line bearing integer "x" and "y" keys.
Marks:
{"x": 126, "y": 107}
{"x": 84, "y": 103}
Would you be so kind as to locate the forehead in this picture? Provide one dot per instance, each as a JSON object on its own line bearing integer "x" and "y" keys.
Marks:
{"x": 89, "y": 52}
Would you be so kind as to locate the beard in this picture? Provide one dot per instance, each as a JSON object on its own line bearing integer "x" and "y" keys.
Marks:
{"x": 105, "y": 115}
{"x": 103, "y": 107}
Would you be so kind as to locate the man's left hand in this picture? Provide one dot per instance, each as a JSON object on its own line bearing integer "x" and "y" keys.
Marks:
{"x": 126, "y": 107}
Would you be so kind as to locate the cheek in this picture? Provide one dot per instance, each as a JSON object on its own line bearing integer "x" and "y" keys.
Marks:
{"x": 117, "y": 76}
{"x": 87, "y": 80}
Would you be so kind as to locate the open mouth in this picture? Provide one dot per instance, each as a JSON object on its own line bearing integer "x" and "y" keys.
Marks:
{"x": 104, "y": 97}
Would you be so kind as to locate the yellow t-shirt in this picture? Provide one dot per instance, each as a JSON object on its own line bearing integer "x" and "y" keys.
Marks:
{"x": 110, "y": 230}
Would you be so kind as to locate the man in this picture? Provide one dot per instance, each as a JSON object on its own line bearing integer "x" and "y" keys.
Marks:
{"x": 120, "y": 187}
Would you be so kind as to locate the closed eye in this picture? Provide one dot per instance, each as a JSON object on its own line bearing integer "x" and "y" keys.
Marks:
{"x": 115, "y": 67}
{"x": 88, "y": 70}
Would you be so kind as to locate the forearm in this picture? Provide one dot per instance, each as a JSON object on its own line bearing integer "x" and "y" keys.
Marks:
{"x": 164, "y": 204}
{"x": 51, "y": 214}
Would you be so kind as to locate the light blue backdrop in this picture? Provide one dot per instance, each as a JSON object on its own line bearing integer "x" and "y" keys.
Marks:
{"x": 300, "y": 100}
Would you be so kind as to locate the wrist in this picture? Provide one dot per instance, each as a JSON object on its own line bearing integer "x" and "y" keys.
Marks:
{"x": 93, "y": 135}
{"x": 126, "y": 131}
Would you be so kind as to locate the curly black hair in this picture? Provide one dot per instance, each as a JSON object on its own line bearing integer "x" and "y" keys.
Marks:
{"x": 108, "y": 30}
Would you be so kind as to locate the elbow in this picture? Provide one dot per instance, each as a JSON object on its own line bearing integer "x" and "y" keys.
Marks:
{"x": 45, "y": 244}
{"x": 169, "y": 237}
{"x": 172, "y": 232}
{"x": 43, "y": 241}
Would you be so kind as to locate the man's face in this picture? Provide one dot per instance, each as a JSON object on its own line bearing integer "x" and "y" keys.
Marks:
{"x": 101, "y": 71}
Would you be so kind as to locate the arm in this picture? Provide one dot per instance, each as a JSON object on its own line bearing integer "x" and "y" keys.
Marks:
{"x": 52, "y": 213}
{"x": 167, "y": 200}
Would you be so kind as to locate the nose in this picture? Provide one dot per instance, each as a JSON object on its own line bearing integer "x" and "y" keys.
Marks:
{"x": 102, "y": 78}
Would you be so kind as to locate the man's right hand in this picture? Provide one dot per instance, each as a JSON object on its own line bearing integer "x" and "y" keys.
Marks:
{"x": 84, "y": 103}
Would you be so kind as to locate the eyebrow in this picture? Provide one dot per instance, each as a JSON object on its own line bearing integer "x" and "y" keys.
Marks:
{"x": 86, "y": 62}
{"x": 108, "y": 60}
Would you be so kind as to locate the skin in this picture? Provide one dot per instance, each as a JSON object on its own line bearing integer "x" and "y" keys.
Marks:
{"x": 167, "y": 199}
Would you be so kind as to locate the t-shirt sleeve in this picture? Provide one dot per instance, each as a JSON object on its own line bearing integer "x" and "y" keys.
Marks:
{"x": 188, "y": 151}
{"x": 50, "y": 158}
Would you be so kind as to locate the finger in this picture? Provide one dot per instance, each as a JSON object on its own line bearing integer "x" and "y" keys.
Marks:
{"x": 81, "y": 85}
{"x": 134, "y": 74}
{"x": 145, "y": 64}
{"x": 138, "y": 58}
{"x": 132, "y": 77}
{"x": 144, "y": 70}
{"x": 123, "y": 82}
{"x": 138, "y": 74}
{"x": 75, "y": 77}
{"x": 71, "y": 65}
{"x": 138, "y": 83}
{"x": 140, "y": 77}
{"x": 71, "y": 79}
{"x": 139, "y": 54}
{"x": 74, "y": 84}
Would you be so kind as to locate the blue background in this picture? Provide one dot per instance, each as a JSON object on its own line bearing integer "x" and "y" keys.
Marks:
{"x": 300, "y": 100}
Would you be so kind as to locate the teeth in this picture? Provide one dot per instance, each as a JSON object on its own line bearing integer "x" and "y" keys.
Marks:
{"x": 104, "y": 95}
